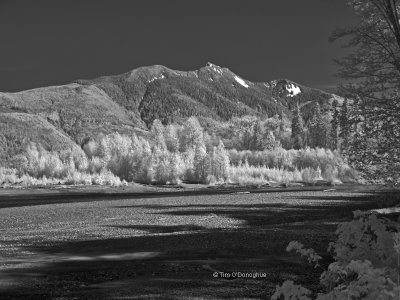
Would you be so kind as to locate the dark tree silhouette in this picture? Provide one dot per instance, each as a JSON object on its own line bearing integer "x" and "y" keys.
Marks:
{"x": 334, "y": 136}
{"x": 298, "y": 129}
{"x": 372, "y": 71}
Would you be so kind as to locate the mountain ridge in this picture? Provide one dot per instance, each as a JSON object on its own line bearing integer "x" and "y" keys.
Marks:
{"x": 129, "y": 102}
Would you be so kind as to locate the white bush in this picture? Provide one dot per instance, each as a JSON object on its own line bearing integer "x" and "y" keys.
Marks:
{"x": 106, "y": 177}
{"x": 367, "y": 253}
{"x": 331, "y": 164}
{"x": 244, "y": 173}
{"x": 8, "y": 176}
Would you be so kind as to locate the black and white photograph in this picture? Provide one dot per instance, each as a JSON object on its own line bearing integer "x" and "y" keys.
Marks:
{"x": 200, "y": 149}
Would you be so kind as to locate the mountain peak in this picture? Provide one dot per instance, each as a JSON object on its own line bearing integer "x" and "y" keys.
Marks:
{"x": 285, "y": 87}
{"x": 214, "y": 68}
{"x": 210, "y": 64}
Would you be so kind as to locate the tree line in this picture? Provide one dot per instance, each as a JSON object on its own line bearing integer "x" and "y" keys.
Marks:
{"x": 330, "y": 130}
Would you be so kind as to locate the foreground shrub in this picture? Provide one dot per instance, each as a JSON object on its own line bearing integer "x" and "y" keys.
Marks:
{"x": 106, "y": 177}
{"x": 366, "y": 265}
{"x": 78, "y": 178}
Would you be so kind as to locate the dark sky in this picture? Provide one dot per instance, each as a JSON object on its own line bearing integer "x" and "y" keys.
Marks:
{"x": 48, "y": 42}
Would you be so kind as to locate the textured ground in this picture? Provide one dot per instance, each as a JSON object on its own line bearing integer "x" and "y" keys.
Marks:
{"x": 163, "y": 247}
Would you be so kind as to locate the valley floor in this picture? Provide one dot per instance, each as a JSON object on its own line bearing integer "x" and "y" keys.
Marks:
{"x": 177, "y": 244}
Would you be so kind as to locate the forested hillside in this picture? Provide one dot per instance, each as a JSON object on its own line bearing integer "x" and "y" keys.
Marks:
{"x": 129, "y": 103}
{"x": 156, "y": 125}
{"x": 138, "y": 125}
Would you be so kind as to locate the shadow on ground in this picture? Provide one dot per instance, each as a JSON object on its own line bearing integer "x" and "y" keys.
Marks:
{"x": 185, "y": 257}
{"x": 26, "y": 198}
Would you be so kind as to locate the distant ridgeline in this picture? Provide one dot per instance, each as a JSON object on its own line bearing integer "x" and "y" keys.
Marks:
{"x": 67, "y": 116}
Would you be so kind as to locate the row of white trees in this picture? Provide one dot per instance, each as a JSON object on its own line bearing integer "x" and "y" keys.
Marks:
{"x": 177, "y": 153}
{"x": 171, "y": 154}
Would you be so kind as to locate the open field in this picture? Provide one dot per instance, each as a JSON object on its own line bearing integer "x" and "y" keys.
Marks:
{"x": 107, "y": 246}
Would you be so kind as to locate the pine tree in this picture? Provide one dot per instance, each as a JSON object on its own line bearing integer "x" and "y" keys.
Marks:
{"x": 270, "y": 141}
{"x": 282, "y": 118}
{"x": 247, "y": 138}
{"x": 318, "y": 128}
{"x": 358, "y": 143}
{"x": 298, "y": 129}
{"x": 258, "y": 142}
{"x": 335, "y": 126}
{"x": 344, "y": 126}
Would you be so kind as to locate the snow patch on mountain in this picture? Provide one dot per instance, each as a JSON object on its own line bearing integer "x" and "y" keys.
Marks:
{"x": 241, "y": 82}
{"x": 156, "y": 77}
{"x": 292, "y": 90}
{"x": 215, "y": 68}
